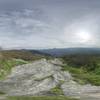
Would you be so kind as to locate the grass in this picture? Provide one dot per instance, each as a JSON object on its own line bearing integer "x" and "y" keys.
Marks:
{"x": 84, "y": 68}
{"x": 82, "y": 76}
{"x": 42, "y": 98}
{"x": 89, "y": 78}
{"x": 7, "y": 65}
{"x": 56, "y": 91}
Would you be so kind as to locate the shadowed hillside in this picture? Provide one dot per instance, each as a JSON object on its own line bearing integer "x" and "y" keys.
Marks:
{"x": 58, "y": 52}
{"x": 20, "y": 54}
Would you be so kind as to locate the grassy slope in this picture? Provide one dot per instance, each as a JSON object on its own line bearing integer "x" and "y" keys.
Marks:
{"x": 11, "y": 58}
{"x": 84, "y": 69}
{"x": 7, "y": 64}
{"x": 82, "y": 76}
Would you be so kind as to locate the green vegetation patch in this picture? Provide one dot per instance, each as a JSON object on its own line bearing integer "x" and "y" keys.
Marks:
{"x": 2, "y": 93}
{"x": 7, "y": 64}
{"x": 11, "y": 58}
{"x": 84, "y": 68}
{"x": 88, "y": 62}
{"x": 20, "y": 54}
{"x": 56, "y": 91}
{"x": 42, "y": 98}
{"x": 82, "y": 76}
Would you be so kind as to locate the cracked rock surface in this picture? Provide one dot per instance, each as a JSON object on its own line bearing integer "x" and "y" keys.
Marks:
{"x": 39, "y": 77}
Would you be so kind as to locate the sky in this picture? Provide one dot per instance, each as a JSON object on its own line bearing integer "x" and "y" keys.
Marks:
{"x": 43, "y": 24}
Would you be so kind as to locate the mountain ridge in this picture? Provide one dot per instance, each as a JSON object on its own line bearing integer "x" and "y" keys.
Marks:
{"x": 71, "y": 51}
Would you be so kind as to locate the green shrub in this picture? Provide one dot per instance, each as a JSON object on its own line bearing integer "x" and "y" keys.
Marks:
{"x": 88, "y": 62}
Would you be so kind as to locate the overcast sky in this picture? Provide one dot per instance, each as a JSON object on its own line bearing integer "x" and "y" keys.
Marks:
{"x": 36, "y": 24}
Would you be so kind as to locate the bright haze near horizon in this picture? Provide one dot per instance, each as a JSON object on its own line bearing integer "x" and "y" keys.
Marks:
{"x": 36, "y": 24}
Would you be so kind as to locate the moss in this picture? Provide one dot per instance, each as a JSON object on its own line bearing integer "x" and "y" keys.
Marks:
{"x": 56, "y": 91}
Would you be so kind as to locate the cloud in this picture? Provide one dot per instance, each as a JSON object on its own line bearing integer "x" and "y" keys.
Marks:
{"x": 48, "y": 24}
{"x": 25, "y": 30}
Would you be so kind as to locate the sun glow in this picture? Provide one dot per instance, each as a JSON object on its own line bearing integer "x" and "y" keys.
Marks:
{"x": 83, "y": 36}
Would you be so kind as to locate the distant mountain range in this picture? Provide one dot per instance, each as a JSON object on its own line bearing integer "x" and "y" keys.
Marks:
{"x": 57, "y": 52}
{"x": 70, "y": 51}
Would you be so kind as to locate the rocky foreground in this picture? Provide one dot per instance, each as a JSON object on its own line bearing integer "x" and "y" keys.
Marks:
{"x": 40, "y": 77}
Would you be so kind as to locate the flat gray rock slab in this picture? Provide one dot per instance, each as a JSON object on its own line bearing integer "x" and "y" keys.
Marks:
{"x": 32, "y": 79}
{"x": 39, "y": 77}
{"x": 72, "y": 88}
{"x": 3, "y": 97}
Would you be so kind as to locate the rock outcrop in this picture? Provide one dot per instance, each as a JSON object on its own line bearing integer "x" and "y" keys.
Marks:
{"x": 39, "y": 77}
{"x": 72, "y": 88}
